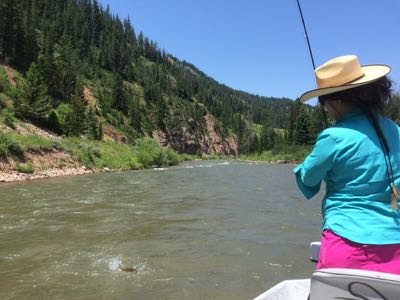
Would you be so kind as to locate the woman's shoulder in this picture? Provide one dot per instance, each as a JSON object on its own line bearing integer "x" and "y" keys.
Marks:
{"x": 389, "y": 122}
{"x": 359, "y": 130}
{"x": 338, "y": 132}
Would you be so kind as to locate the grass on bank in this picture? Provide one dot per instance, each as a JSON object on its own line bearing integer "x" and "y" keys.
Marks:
{"x": 287, "y": 153}
{"x": 97, "y": 155}
{"x": 94, "y": 155}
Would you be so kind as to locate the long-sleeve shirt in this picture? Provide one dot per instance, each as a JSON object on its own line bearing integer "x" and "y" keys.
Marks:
{"x": 349, "y": 158}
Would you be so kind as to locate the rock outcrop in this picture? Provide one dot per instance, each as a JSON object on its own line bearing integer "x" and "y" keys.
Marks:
{"x": 193, "y": 138}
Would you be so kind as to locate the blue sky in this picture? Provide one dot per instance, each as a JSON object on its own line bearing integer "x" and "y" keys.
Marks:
{"x": 258, "y": 46}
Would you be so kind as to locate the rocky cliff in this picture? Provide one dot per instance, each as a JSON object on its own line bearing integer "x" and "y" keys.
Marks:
{"x": 194, "y": 138}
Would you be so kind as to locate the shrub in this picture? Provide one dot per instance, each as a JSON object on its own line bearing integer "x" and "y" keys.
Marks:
{"x": 95, "y": 152}
{"x": 3, "y": 150}
{"x": 2, "y": 102}
{"x": 9, "y": 118}
{"x": 148, "y": 151}
{"x": 4, "y": 82}
{"x": 171, "y": 157}
{"x": 14, "y": 148}
{"x": 25, "y": 168}
{"x": 53, "y": 122}
{"x": 152, "y": 154}
{"x": 62, "y": 111}
{"x": 85, "y": 155}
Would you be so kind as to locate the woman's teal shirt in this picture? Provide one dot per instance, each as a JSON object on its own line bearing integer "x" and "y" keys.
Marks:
{"x": 349, "y": 158}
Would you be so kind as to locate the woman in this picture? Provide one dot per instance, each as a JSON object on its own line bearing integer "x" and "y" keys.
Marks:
{"x": 359, "y": 160}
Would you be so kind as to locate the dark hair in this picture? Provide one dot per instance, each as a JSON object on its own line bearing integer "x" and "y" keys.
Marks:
{"x": 372, "y": 96}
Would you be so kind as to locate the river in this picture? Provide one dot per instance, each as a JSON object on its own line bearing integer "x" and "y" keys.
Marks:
{"x": 201, "y": 230}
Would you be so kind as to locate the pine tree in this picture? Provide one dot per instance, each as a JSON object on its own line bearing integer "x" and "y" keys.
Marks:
{"x": 140, "y": 41}
{"x": 31, "y": 99}
{"x": 97, "y": 23}
{"x": 302, "y": 132}
{"x": 393, "y": 109}
{"x": 293, "y": 114}
{"x": 91, "y": 124}
{"x": 267, "y": 137}
{"x": 54, "y": 122}
{"x": 99, "y": 132}
{"x": 119, "y": 101}
{"x": 65, "y": 64}
{"x": 135, "y": 116}
{"x": 11, "y": 33}
{"x": 30, "y": 50}
{"x": 46, "y": 62}
{"x": 75, "y": 120}
{"x": 316, "y": 122}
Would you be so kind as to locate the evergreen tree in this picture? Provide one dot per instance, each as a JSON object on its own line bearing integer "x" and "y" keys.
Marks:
{"x": 65, "y": 65}
{"x": 302, "y": 132}
{"x": 29, "y": 24}
{"x": 393, "y": 109}
{"x": 267, "y": 137}
{"x": 292, "y": 120}
{"x": 140, "y": 41}
{"x": 118, "y": 95}
{"x": 75, "y": 121}
{"x": 104, "y": 99}
{"x": 100, "y": 132}
{"x": 54, "y": 122}
{"x": 135, "y": 116}
{"x": 91, "y": 126}
{"x": 316, "y": 122}
{"x": 11, "y": 32}
{"x": 31, "y": 99}
{"x": 255, "y": 145}
{"x": 46, "y": 62}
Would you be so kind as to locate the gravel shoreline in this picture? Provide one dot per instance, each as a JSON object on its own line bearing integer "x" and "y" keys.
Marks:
{"x": 7, "y": 177}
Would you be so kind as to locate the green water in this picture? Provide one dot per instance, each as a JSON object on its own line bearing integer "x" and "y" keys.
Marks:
{"x": 202, "y": 230}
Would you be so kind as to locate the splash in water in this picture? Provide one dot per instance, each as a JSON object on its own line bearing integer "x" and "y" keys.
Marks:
{"x": 114, "y": 263}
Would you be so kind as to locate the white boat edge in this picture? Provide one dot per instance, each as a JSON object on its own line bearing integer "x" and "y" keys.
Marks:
{"x": 330, "y": 284}
{"x": 327, "y": 284}
{"x": 289, "y": 289}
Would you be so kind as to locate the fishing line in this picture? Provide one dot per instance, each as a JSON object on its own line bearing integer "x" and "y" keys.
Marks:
{"x": 324, "y": 122}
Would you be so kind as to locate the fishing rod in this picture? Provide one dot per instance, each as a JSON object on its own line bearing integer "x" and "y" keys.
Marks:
{"x": 324, "y": 122}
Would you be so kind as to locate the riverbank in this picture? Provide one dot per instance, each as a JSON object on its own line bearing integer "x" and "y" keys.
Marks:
{"x": 55, "y": 163}
{"x": 28, "y": 152}
{"x": 16, "y": 176}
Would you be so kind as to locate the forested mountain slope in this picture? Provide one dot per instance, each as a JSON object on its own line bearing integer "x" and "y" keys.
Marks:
{"x": 75, "y": 68}
{"x": 66, "y": 49}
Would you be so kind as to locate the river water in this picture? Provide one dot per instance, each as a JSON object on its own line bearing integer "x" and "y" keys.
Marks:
{"x": 201, "y": 230}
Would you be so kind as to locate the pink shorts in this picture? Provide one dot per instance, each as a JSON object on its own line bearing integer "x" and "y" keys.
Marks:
{"x": 338, "y": 252}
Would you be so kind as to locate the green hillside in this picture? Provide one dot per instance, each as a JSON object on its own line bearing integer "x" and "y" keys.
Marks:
{"x": 76, "y": 70}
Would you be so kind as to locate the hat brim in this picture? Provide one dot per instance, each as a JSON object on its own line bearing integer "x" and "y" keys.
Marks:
{"x": 371, "y": 73}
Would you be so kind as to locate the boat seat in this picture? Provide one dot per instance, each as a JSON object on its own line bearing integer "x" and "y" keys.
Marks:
{"x": 337, "y": 284}
{"x": 349, "y": 284}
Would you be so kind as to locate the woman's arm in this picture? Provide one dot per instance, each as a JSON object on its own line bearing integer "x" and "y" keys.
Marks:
{"x": 310, "y": 173}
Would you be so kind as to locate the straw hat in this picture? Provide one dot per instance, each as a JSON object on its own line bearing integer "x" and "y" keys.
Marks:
{"x": 343, "y": 73}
